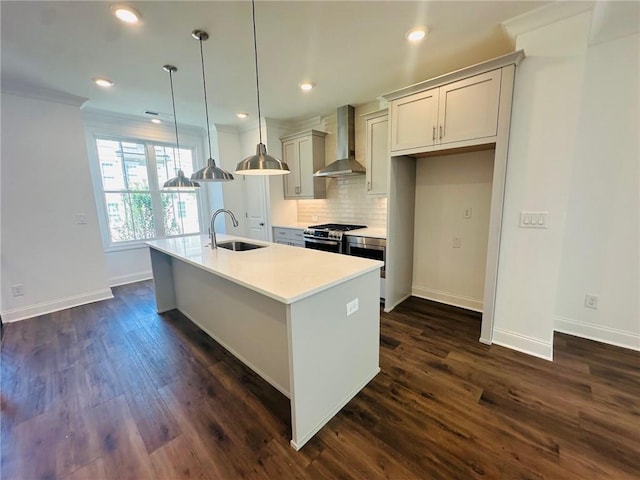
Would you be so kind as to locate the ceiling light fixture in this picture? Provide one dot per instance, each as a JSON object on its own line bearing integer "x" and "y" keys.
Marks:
{"x": 103, "y": 82}
{"x": 126, "y": 14}
{"x": 156, "y": 120}
{"x": 306, "y": 86}
{"x": 416, "y": 34}
{"x": 210, "y": 173}
{"x": 242, "y": 115}
{"x": 180, "y": 182}
{"x": 261, "y": 163}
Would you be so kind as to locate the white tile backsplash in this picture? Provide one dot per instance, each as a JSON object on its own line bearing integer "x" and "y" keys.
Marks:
{"x": 347, "y": 202}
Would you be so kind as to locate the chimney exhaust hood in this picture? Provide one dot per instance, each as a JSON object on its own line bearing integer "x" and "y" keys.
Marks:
{"x": 346, "y": 164}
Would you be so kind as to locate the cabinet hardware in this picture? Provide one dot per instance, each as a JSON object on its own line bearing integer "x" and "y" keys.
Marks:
{"x": 434, "y": 133}
{"x": 440, "y": 131}
{"x": 368, "y": 186}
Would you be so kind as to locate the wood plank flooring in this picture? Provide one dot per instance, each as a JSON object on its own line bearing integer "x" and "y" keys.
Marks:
{"x": 112, "y": 390}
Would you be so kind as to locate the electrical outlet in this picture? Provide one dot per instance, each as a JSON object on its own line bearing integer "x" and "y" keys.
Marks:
{"x": 457, "y": 242}
{"x": 81, "y": 219}
{"x": 17, "y": 290}
{"x": 591, "y": 301}
{"x": 466, "y": 213}
{"x": 352, "y": 307}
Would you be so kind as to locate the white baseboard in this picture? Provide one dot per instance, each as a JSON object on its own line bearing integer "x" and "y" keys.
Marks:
{"x": 388, "y": 308}
{"x": 612, "y": 336}
{"x": 130, "y": 278}
{"x": 523, "y": 343}
{"x": 30, "y": 311}
{"x": 448, "y": 298}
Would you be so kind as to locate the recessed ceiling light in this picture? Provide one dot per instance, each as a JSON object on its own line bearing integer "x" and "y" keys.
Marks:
{"x": 242, "y": 115}
{"x": 306, "y": 86}
{"x": 103, "y": 82}
{"x": 416, "y": 34}
{"x": 156, "y": 120}
{"x": 126, "y": 14}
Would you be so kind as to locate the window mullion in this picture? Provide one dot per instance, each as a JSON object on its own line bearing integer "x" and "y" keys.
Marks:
{"x": 154, "y": 187}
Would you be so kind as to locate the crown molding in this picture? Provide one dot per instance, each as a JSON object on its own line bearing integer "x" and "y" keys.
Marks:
{"x": 95, "y": 115}
{"x": 509, "y": 59}
{"x": 22, "y": 89}
{"x": 545, "y": 15}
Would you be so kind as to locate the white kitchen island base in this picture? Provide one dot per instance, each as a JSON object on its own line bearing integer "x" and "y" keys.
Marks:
{"x": 309, "y": 349}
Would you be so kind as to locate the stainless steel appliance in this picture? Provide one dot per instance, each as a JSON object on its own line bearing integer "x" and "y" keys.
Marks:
{"x": 346, "y": 164}
{"x": 369, "y": 247}
{"x": 328, "y": 237}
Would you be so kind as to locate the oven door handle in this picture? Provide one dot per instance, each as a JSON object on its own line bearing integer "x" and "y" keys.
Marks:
{"x": 322, "y": 241}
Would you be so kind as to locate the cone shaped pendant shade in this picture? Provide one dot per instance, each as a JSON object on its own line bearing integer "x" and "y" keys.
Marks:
{"x": 179, "y": 182}
{"x": 210, "y": 173}
{"x": 261, "y": 163}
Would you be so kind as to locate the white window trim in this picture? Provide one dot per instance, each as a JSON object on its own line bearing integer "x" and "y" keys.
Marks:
{"x": 126, "y": 128}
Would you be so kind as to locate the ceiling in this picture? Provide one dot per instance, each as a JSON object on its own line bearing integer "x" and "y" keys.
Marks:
{"x": 352, "y": 51}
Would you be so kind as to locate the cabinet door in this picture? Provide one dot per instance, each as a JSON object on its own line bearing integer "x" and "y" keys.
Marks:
{"x": 377, "y": 154}
{"x": 297, "y": 238}
{"x": 290, "y": 157}
{"x": 413, "y": 120}
{"x": 469, "y": 108}
{"x": 305, "y": 170}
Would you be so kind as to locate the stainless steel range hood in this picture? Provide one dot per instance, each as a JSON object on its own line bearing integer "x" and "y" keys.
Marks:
{"x": 346, "y": 164}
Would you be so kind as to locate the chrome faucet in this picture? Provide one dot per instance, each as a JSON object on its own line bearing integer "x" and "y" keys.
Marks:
{"x": 212, "y": 230}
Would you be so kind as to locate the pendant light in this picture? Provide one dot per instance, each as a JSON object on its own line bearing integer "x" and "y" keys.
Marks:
{"x": 210, "y": 173}
{"x": 179, "y": 182}
{"x": 261, "y": 163}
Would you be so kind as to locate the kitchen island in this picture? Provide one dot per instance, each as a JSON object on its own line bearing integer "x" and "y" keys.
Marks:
{"x": 306, "y": 321}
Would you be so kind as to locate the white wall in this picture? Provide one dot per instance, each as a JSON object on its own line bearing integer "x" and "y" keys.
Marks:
{"x": 600, "y": 254}
{"x": 574, "y": 153}
{"x": 227, "y": 141}
{"x": 45, "y": 183}
{"x": 445, "y": 187}
{"x": 546, "y": 105}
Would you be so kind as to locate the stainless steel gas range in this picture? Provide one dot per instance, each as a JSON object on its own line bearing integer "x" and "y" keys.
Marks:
{"x": 328, "y": 237}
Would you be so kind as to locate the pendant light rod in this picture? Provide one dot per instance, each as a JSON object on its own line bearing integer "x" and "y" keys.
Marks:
{"x": 261, "y": 163}
{"x": 171, "y": 69}
{"x": 201, "y": 36}
{"x": 255, "y": 52}
{"x": 179, "y": 181}
{"x": 210, "y": 172}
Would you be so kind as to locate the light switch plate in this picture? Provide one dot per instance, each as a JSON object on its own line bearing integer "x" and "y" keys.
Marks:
{"x": 534, "y": 219}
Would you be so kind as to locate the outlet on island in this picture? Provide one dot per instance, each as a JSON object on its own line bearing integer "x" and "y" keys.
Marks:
{"x": 352, "y": 307}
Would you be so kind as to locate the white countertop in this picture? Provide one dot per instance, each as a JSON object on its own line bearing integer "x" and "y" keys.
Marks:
{"x": 368, "y": 232}
{"x": 286, "y": 274}
{"x": 296, "y": 225}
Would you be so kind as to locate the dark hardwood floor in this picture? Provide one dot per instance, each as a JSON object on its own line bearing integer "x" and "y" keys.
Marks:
{"x": 113, "y": 390}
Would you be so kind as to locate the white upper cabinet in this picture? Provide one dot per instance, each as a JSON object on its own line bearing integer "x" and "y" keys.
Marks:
{"x": 304, "y": 153}
{"x": 458, "y": 114}
{"x": 377, "y": 152}
{"x": 468, "y": 109}
{"x": 413, "y": 120}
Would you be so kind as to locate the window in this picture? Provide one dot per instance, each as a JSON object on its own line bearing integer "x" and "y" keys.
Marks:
{"x": 132, "y": 174}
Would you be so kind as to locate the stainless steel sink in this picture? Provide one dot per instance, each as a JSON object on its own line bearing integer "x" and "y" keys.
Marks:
{"x": 239, "y": 246}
